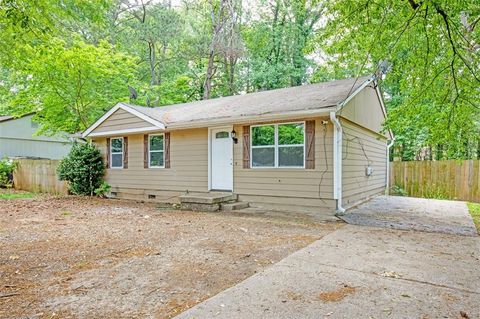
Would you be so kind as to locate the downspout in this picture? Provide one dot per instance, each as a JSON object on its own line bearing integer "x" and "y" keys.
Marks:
{"x": 389, "y": 145}
{"x": 337, "y": 162}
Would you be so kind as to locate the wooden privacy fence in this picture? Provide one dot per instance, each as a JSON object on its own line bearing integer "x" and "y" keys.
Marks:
{"x": 38, "y": 175}
{"x": 437, "y": 179}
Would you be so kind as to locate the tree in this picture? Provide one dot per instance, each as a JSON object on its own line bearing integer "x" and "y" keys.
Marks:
{"x": 433, "y": 47}
{"x": 278, "y": 43}
{"x": 69, "y": 86}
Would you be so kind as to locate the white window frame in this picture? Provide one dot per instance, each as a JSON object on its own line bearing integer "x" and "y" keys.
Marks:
{"x": 156, "y": 151}
{"x": 112, "y": 153}
{"x": 276, "y": 146}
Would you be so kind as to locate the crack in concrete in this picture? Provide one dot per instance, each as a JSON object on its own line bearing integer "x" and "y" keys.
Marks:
{"x": 399, "y": 278}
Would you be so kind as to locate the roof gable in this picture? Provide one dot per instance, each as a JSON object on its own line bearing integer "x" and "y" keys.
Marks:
{"x": 122, "y": 119}
{"x": 366, "y": 108}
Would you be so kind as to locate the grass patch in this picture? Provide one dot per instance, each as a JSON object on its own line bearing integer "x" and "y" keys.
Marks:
{"x": 475, "y": 212}
{"x": 15, "y": 195}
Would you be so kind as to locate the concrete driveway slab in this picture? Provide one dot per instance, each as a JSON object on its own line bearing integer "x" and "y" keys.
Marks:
{"x": 442, "y": 216}
{"x": 361, "y": 272}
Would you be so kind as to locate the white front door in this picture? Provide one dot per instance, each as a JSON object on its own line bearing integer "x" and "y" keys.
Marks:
{"x": 221, "y": 159}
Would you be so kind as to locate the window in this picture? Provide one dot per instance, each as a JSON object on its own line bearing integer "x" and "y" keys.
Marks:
{"x": 222, "y": 135}
{"x": 116, "y": 152}
{"x": 278, "y": 145}
{"x": 156, "y": 151}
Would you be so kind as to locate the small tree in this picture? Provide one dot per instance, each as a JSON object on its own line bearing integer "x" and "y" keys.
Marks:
{"x": 83, "y": 168}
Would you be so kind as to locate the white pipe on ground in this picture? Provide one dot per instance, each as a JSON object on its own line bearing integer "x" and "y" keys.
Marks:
{"x": 337, "y": 161}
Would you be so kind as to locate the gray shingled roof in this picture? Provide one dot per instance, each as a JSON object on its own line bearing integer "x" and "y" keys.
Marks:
{"x": 280, "y": 101}
{"x": 5, "y": 118}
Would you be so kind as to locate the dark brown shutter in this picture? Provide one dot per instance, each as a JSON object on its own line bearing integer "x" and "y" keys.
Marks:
{"x": 145, "y": 151}
{"x": 246, "y": 147}
{"x": 107, "y": 152}
{"x": 125, "y": 152}
{"x": 310, "y": 154}
{"x": 166, "y": 153}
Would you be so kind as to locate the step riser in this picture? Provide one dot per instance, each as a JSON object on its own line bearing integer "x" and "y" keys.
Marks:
{"x": 195, "y": 199}
{"x": 234, "y": 206}
{"x": 198, "y": 207}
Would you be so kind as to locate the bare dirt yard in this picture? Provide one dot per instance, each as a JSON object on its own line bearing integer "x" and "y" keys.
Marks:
{"x": 74, "y": 257}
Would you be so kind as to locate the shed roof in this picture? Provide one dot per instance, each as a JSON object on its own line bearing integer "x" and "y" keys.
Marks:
{"x": 5, "y": 118}
{"x": 11, "y": 117}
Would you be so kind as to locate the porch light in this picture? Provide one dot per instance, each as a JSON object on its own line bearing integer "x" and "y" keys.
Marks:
{"x": 233, "y": 134}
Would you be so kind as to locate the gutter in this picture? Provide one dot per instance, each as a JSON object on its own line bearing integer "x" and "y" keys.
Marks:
{"x": 387, "y": 188}
{"x": 337, "y": 162}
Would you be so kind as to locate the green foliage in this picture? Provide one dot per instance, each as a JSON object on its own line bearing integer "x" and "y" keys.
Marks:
{"x": 6, "y": 170}
{"x": 432, "y": 89}
{"x": 11, "y": 194}
{"x": 397, "y": 190}
{"x": 103, "y": 189}
{"x": 435, "y": 191}
{"x": 83, "y": 168}
{"x": 263, "y": 135}
{"x": 474, "y": 209}
{"x": 72, "y": 60}
{"x": 71, "y": 85}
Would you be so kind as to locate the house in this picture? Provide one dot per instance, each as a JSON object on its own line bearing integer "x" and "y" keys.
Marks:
{"x": 317, "y": 147}
{"x": 18, "y": 139}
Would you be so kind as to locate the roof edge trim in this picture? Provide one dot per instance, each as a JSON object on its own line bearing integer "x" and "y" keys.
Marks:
{"x": 342, "y": 104}
{"x": 125, "y": 131}
{"x": 157, "y": 124}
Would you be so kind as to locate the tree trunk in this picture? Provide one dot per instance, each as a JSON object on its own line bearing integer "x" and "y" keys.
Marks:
{"x": 153, "y": 61}
{"x": 207, "y": 86}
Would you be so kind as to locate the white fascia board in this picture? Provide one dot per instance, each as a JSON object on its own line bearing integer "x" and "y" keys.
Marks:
{"x": 159, "y": 125}
{"x": 142, "y": 116}
{"x": 253, "y": 119}
{"x": 351, "y": 96}
{"x": 125, "y": 131}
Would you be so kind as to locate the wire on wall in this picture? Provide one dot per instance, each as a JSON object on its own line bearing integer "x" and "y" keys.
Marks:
{"x": 326, "y": 161}
{"x": 362, "y": 147}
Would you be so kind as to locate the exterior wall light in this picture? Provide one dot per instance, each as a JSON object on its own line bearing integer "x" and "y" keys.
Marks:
{"x": 233, "y": 134}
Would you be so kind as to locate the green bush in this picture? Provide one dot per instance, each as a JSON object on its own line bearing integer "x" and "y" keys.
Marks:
{"x": 6, "y": 170}
{"x": 102, "y": 189}
{"x": 83, "y": 168}
{"x": 397, "y": 190}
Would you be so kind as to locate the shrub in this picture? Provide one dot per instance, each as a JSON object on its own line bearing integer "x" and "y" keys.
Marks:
{"x": 83, "y": 168}
{"x": 397, "y": 190}
{"x": 6, "y": 172}
{"x": 102, "y": 189}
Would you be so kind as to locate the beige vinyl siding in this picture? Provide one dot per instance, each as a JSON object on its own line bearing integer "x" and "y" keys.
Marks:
{"x": 365, "y": 110}
{"x": 188, "y": 171}
{"x": 356, "y": 186}
{"x": 121, "y": 120}
{"x": 288, "y": 187}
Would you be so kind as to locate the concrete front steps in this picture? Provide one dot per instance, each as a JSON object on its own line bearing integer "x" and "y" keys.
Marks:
{"x": 211, "y": 202}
